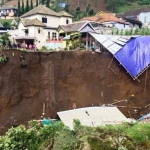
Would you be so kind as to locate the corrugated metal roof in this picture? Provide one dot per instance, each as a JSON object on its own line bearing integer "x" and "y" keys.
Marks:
{"x": 93, "y": 116}
{"x": 112, "y": 43}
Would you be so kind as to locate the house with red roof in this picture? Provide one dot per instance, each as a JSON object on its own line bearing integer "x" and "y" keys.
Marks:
{"x": 107, "y": 20}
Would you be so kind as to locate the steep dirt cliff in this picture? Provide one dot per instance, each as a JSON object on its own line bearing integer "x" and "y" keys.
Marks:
{"x": 60, "y": 79}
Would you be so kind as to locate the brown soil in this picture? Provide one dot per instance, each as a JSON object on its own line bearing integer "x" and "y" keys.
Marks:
{"x": 97, "y": 5}
{"x": 60, "y": 79}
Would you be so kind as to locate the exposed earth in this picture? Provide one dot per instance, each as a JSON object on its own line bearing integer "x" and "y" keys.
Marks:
{"x": 97, "y": 5}
{"x": 59, "y": 79}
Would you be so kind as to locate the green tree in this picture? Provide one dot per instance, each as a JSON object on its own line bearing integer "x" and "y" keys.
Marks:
{"x": 27, "y": 6}
{"x": 31, "y": 5}
{"x": 78, "y": 11}
{"x": 47, "y": 3}
{"x": 6, "y": 23}
{"x": 19, "y": 9}
{"x": 37, "y": 3}
{"x": 113, "y": 5}
{"x": 43, "y": 2}
{"x": 5, "y": 38}
{"x": 22, "y": 10}
{"x": 91, "y": 12}
{"x": 66, "y": 8}
{"x": 117, "y": 32}
{"x": 121, "y": 32}
{"x": 88, "y": 8}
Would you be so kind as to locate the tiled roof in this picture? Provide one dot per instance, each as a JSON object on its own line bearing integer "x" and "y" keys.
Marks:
{"x": 64, "y": 13}
{"x": 103, "y": 18}
{"x": 41, "y": 9}
{"x": 32, "y": 22}
{"x": 73, "y": 27}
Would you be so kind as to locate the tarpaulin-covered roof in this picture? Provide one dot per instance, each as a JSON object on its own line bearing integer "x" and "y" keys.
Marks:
{"x": 135, "y": 55}
{"x": 93, "y": 116}
{"x": 133, "y": 52}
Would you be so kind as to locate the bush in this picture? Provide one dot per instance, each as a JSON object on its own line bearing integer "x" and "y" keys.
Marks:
{"x": 3, "y": 59}
{"x": 60, "y": 137}
{"x": 43, "y": 48}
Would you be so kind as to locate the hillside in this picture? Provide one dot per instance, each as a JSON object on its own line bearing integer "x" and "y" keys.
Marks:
{"x": 97, "y": 5}
{"x": 60, "y": 79}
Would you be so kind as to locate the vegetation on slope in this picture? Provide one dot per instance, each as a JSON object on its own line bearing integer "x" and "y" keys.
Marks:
{"x": 121, "y": 6}
{"x": 116, "y": 6}
{"x": 59, "y": 137}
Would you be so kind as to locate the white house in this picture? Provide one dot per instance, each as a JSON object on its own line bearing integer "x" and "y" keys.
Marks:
{"x": 137, "y": 18}
{"x": 39, "y": 25}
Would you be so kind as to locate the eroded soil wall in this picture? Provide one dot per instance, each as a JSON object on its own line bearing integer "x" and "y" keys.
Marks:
{"x": 60, "y": 79}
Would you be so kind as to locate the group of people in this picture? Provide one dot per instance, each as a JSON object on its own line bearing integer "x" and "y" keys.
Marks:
{"x": 23, "y": 45}
{"x": 29, "y": 46}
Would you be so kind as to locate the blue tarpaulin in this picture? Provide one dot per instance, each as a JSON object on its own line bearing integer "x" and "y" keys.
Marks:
{"x": 133, "y": 52}
{"x": 63, "y": 4}
{"x": 47, "y": 122}
{"x": 135, "y": 55}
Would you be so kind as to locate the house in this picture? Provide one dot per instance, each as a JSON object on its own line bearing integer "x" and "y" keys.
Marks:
{"x": 140, "y": 15}
{"x": 39, "y": 26}
{"x": 8, "y": 12}
{"x": 107, "y": 20}
{"x": 66, "y": 31}
{"x": 93, "y": 116}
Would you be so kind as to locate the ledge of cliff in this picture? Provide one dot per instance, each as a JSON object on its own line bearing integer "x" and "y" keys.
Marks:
{"x": 59, "y": 79}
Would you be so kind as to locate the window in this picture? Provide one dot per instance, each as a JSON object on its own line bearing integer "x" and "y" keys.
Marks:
{"x": 67, "y": 21}
{"x": 54, "y": 35}
{"x": 48, "y": 35}
{"x": 39, "y": 31}
{"x": 44, "y": 20}
{"x": 26, "y": 32}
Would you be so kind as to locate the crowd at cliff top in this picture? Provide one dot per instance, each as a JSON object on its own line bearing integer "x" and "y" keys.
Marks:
{"x": 19, "y": 46}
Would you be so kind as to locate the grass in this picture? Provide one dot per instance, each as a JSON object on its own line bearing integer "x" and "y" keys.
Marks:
{"x": 130, "y": 7}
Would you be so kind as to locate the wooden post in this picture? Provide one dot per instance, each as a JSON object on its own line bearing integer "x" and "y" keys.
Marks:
{"x": 43, "y": 109}
{"x": 87, "y": 41}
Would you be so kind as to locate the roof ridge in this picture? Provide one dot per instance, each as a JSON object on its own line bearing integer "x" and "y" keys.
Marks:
{"x": 34, "y": 21}
{"x": 40, "y": 8}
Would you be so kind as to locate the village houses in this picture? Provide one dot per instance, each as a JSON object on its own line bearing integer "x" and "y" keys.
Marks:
{"x": 44, "y": 27}
{"x": 137, "y": 18}
{"x": 39, "y": 26}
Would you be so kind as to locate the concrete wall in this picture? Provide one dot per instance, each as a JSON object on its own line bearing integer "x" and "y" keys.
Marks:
{"x": 144, "y": 17}
{"x": 122, "y": 26}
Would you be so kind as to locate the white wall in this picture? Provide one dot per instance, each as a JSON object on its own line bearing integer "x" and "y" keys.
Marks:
{"x": 20, "y": 29}
{"x": 144, "y": 17}
{"x": 42, "y": 36}
{"x": 52, "y": 21}
{"x": 121, "y": 26}
{"x": 116, "y": 25}
{"x": 63, "y": 20}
